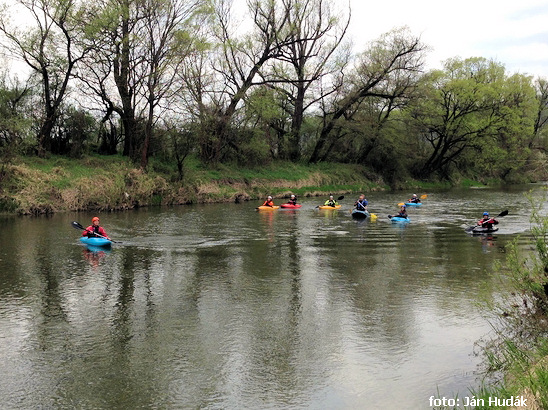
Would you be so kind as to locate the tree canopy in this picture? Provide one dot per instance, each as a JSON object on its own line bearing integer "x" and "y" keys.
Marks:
{"x": 174, "y": 79}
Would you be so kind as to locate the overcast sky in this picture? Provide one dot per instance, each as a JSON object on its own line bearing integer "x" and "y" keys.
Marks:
{"x": 513, "y": 32}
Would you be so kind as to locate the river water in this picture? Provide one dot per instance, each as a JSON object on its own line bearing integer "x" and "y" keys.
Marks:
{"x": 223, "y": 307}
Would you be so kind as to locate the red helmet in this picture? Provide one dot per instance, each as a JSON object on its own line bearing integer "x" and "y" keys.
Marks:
{"x": 95, "y": 218}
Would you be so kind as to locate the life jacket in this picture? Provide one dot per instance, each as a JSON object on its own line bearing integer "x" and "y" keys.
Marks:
{"x": 292, "y": 201}
{"x": 402, "y": 214}
{"x": 483, "y": 221}
{"x": 360, "y": 205}
{"x": 268, "y": 203}
{"x": 91, "y": 231}
{"x": 486, "y": 222}
{"x": 330, "y": 202}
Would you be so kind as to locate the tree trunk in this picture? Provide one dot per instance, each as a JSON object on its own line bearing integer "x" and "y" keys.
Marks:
{"x": 294, "y": 139}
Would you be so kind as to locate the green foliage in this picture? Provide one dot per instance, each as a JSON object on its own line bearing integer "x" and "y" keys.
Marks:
{"x": 520, "y": 351}
{"x": 475, "y": 117}
{"x": 173, "y": 81}
{"x": 15, "y": 123}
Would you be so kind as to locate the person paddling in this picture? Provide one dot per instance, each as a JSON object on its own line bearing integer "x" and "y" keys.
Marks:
{"x": 269, "y": 201}
{"x": 403, "y": 212}
{"x": 361, "y": 203}
{"x": 292, "y": 200}
{"x": 414, "y": 199}
{"x": 331, "y": 202}
{"x": 94, "y": 230}
{"x": 487, "y": 222}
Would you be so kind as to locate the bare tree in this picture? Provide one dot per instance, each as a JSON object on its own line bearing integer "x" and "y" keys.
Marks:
{"x": 49, "y": 46}
{"x": 169, "y": 42}
{"x": 541, "y": 120}
{"x": 384, "y": 71}
{"x": 138, "y": 47}
{"x": 240, "y": 62}
{"x": 316, "y": 33}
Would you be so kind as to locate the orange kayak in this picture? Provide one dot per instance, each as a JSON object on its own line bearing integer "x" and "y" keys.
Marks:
{"x": 267, "y": 208}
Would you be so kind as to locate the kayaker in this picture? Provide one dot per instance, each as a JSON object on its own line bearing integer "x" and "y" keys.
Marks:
{"x": 292, "y": 200}
{"x": 269, "y": 201}
{"x": 331, "y": 202}
{"x": 414, "y": 199}
{"x": 94, "y": 229}
{"x": 403, "y": 212}
{"x": 361, "y": 203}
{"x": 487, "y": 222}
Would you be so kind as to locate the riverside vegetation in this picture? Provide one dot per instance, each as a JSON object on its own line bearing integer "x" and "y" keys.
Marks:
{"x": 177, "y": 82}
{"x": 516, "y": 358}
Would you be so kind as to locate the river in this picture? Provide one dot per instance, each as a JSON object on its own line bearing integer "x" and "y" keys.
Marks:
{"x": 222, "y": 307}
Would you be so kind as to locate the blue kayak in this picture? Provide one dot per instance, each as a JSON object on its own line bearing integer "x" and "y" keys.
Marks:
{"x": 413, "y": 204}
{"x": 358, "y": 214}
{"x": 399, "y": 219}
{"x": 102, "y": 242}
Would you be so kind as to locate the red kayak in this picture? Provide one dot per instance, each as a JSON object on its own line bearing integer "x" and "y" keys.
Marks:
{"x": 291, "y": 206}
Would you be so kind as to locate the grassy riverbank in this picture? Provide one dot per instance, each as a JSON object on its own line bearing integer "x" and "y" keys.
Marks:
{"x": 31, "y": 185}
{"x": 55, "y": 184}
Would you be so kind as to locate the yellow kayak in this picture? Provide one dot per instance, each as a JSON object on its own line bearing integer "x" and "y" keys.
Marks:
{"x": 267, "y": 208}
{"x": 330, "y": 207}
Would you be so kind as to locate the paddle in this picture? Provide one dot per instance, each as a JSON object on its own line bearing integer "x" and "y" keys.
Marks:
{"x": 333, "y": 206}
{"x": 77, "y": 225}
{"x": 503, "y": 213}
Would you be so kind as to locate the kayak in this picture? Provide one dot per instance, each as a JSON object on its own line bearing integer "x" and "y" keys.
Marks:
{"x": 291, "y": 206}
{"x": 413, "y": 204}
{"x": 97, "y": 249}
{"x": 267, "y": 208}
{"x": 101, "y": 242}
{"x": 358, "y": 214}
{"x": 479, "y": 230}
{"x": 399, "y": 219}
{"x": 330, "y": 207}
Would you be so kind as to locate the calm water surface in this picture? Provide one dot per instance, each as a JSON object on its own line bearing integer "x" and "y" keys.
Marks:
{"x": 222, "y": 307}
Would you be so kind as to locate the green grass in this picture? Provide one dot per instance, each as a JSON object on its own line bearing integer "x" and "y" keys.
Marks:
{"x": 469, "y": 183}
{"x": 113, "y": 182}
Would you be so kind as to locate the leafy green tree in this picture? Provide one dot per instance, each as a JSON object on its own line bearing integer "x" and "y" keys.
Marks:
{"x": 15, "y": 123}
{"x": 74, "y": 132}
{"x": 471, "y": 107}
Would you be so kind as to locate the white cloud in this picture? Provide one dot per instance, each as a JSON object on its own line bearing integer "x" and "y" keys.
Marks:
{"x": 514, "y": 33}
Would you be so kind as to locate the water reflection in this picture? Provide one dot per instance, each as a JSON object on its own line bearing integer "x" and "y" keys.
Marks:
{"x": 221, "y": 306}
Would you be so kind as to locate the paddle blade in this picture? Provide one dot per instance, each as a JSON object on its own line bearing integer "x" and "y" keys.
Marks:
{"x": 77, "y": 225}
{"x": 424, "y": 196}
{"x": 373, "y": 217}
{"x": 389, "y": 216}
{"x": 401, "y": 204}
{"x": 503, "y": 213}
{"x": 340, "y": 198}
